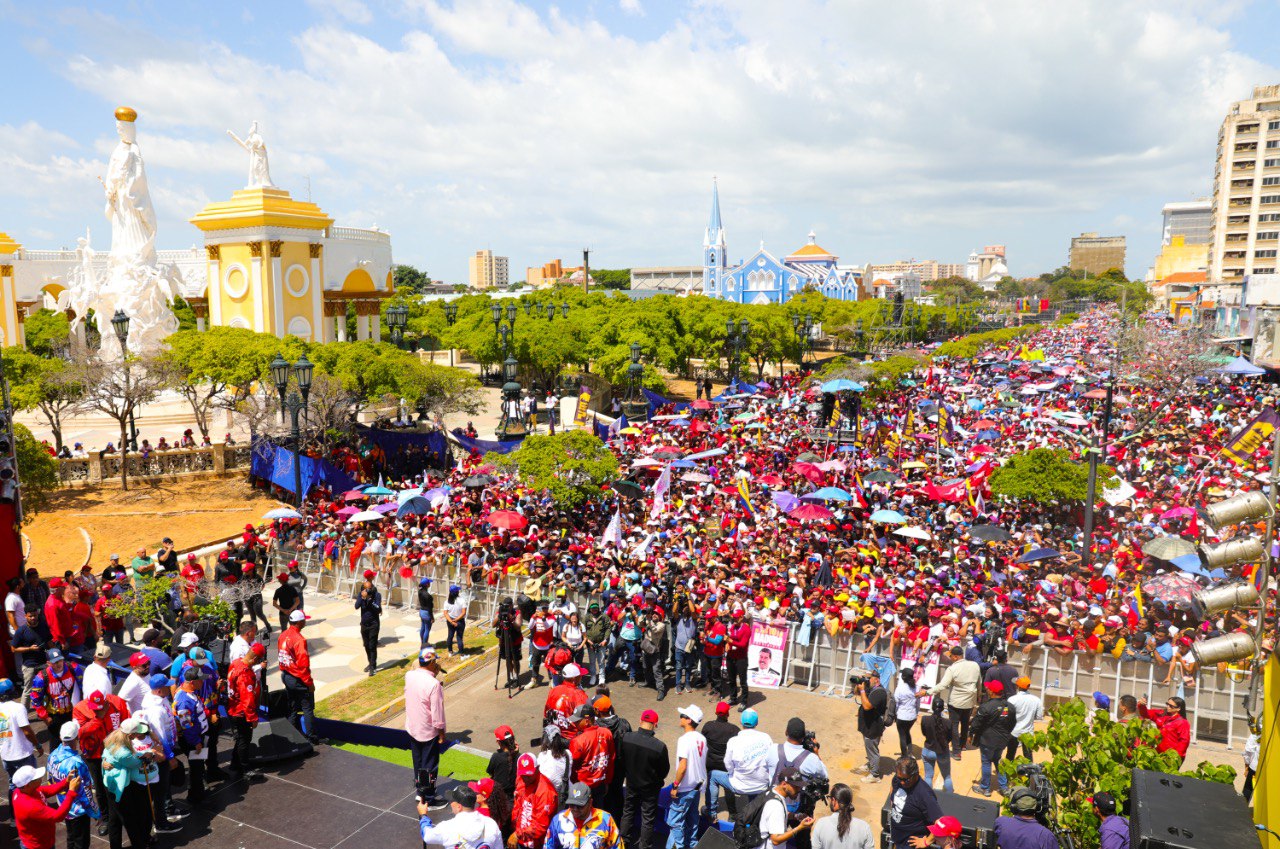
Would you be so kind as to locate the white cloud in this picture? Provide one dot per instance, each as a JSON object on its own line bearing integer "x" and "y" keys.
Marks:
{"x": 352, "y": 11}
{"x": 892, "y": 133}
{"x": 631, "y": 7}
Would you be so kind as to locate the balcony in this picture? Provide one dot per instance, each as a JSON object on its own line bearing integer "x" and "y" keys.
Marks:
{"x": 1234, "y": 254}
{"x": 1233, "y": 220}
{"x": 1241, "y": 202}
{"x": 1246, "y": 147}
{"x": 1243, "y": 129}
{"x": 1241, "y": 184}
{"x": 1244, "y": 165}
{"x": 1237, "y": 237}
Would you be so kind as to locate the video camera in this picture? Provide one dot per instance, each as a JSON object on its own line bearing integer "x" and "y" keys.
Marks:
{"x": 1041, "y": 789}
{"x": 810, "y": 742}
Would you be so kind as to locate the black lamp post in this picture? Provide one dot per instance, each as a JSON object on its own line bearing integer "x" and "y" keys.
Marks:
{"x": 564, "y": 309}
{"x": 635, "y": 407}
{"x": 736, "y": 337}
{"x": 859, "y": 335}
{"x": 512, "y": 312}
{"x": 528, "y": 309}
{"x": 280, "y": 377}
{"x": 120, "y": 324}
{"x": 295, "y": 405}
{"x": 551, "y": 312}
{"x": 512, "y": 424}
{"x": 450, "y": 313}
{"x": 495, "y": 310}
{"x": 397, "y": 318}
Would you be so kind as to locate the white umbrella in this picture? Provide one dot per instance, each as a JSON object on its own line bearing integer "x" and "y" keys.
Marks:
{"x": 282, "y": 513}
{"x": 366, "y": 516}
{"x": 645, "y": 462}
{"x": 695, "y": 477}
{"x": 914, "y": 533}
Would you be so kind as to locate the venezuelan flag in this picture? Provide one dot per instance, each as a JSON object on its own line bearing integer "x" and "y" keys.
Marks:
{"x": 744, "y": 497}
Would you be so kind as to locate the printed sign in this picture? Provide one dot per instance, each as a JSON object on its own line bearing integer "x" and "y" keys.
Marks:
{"x": 580, "y": 412}
{"x": 765, "y": 654}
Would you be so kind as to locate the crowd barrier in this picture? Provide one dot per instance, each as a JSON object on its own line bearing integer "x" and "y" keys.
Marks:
{"x": 823, "y": 664}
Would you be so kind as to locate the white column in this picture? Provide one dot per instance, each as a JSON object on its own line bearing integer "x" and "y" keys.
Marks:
{"x": 259, "y": 292}
{"x": 317, "y": 299}
{"x": 9, "y": 302}
{"x": 277, "y": 295}
{"x": 200, "y": 323}
{"x": 341, "y": 324}
{"x": 213, "y": 291}
{"x": 362, "y": 327}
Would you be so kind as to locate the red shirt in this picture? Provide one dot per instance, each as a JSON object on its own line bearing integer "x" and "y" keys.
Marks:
{"x": 37, "y": 822}
{"x": 563, "y": 700}
{"x": 1175, "y": 731}
{"x": 242, "y": 691}
{"x": 532, "y": 811}
{"x": 82, "y": 623}
{"x": 709, "y": 648}
{"x": 593, "y": 753}
{"x": 58, "y": 616}
{"x": 542, "y": 632}
{"x": 293, "y": 658}
{"x": 739, "y": 639}
{"x": 93, "y": 728}
{"x": 109, "y": 623}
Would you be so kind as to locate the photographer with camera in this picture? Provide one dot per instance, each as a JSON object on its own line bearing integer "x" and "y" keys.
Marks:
{"x": 872, "y": 701}
{"x": 1023, "y": 830}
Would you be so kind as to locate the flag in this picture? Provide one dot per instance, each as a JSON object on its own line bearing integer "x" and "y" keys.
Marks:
{"x": 890, "y": 444}
{"x": 945, "y": 434}
{"x": 613, "y": 533}
{"x": 835, "y": 414}
{"x": 909, "y": 429}
{"x": 1252, "y": 436}
{"x": 1137, "y": 597}
{"x": 744, "y": 497}
{"x": 660, "y": 492}
{"x": 617, "y": 425}
{"x": 641, "y": 551}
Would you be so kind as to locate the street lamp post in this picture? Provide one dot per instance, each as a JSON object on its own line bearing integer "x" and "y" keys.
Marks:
{"x": 635, "y": 407}
{"x": 397, "y": 318}
{"x": 859, "y": 335}
{"x": 120, "y": 323}
{"x": 450, "y": 316}
{"x": 280, "y": 377}
{"x": 564, "y": 309}
{"x": 512, "y": 425}
{"x": 736, "y": 338}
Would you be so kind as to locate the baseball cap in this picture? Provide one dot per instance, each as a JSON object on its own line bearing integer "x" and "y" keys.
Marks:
{"x": 1104, "y": 802}
{"x": 97, "y": 699}
{"x": 259, "y": 649}
{"x": 722, "y": 708}
{"x": 53, "y": 655}
{"x": 192, "y": 673}
{"x": 139, "y": 659}
{"x": 1023, "y": 683}
{"x": 298, "y": 616}
{"x": 503, "y": 732}
{"x": 55, "y": 583}
{"x": 602, "y": 704}
{"x": 579, "y": 794}
{"x": 790, "y": 775}
{"x": 103, "y": 650}
{"x": 158, "y": 680}
{"x": 6, "y": 688}
{"x": 994, "y": 686}
{"x": 135, "y": 725}
{"x": 693, "y": 712}
{"x": 28, "y": 774}
{"x": 484, "y": 785}
{"x": 750, "y": 719}
{"x": 582, "y": 711}
{"x": 1102, "y": 700}
{"x": 526, "y": 764}
{"x": 946, "y": 827}
{"x": 369, "y": 574}
{"x": 1023, "y": 801}
{"x": 427, "y": 654}
{"x": 69, "y": 731}
{"x": 188, "y": 640}
{"x": 464, "y": 796}
{"x": 571, "y": 670}
{"x": 649, "y": 715}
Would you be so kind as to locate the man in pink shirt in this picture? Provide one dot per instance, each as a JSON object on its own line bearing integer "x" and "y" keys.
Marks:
{"x": 424, "y": 720}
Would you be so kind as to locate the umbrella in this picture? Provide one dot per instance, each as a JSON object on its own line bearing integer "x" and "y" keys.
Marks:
{"x": 366, "y": 516}
{"x": 829, "y": 493}
{"x": 989, "y": 533}
{"x": 679, "y": 421}
{"x": 880, "y": 476}
{"x": 668, "y": 452}
{"x": 643, "y": 462}
{"x": 701, "y": 404}
{"x": 807, "y": 510}
{"x": 348, "y": 512}
{"x": 1039, "y": 554}
{"x": 1176, "y": 512}
{"x": 881, "y": 462}
{"x": 1168, "y": 547}
{"x": 630, "y": 489}
{"x": 842, "y": 385}
{"x": 385, "y": 507}
{"x": 987, "y": 435}
{"x": 353, "y": 495}
{"x": 282, "y": 513}
{"x": 914, "y": 464}
{"x": 433, "y": 495}
{"x": 379, "y": 490}
{"x": 405, "y": 494}
{"x": 1095, "y": 394}
{"x": 808, "y": 457}
{"x": 744, "y": 417}
{"x": 508, "y": 519}
{"x": 832, "y": 466}
{"x": 418, "y": 505}
{"x": 630, "y": 431}
{"x": 769, "y": 480}
{"x": 1174, "y": 588}
{"x": 889, "y": 517}
{"x": 478, "y": 481}
{"x": 684, "y": 464}
{"x": 786, "y": 501}
{"x": 983, "y": 424}
{"x": 913, "y": 533}
{"x": 756, "y": 426}
{"x": 695, "y": 477}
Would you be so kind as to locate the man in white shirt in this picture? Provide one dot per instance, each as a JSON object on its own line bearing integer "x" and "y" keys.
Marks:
{"x": 750, "y": 758}
{"x": 691, "y": 776}
{"x": 773, "y": 819}
{"x": 1027, "y": 708}
{"x": 135, "y": 687}
{"x": 18, "y": 743}
{"x": 97, "y": 678}
{"x": 15, "y": 609}
{"x": 467, "y": 829}
{"x": 240, "y": 645}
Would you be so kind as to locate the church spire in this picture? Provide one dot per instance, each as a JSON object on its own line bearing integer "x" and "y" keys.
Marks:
{"x": 714, "y": 250}
{"x": 715, "y": 229}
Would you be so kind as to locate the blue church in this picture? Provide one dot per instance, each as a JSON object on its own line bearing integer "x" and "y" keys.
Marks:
{"x": 764, "y": 279}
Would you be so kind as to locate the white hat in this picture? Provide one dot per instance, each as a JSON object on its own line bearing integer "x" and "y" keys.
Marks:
{"x": 693, "y": 712}
{"x": 297, "y": 616}
{"x": 69, "y": 731}
{"x": 427, "y": 654}
{"x": 188, "y": 640}
{"x": 571, "y": 670}
{"x": 27, "y": 774}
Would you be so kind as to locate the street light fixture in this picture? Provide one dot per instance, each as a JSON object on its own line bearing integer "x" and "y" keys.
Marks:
{"x": 450, "y": 313}
{"x": 564, "y": 309}
{"x": 303, "y": 370}
{"x": 397, "y": 318}
{"x": 495, "y": 310}
{"x": 120, "y": 324}
{"x": 528, "y": 308}
{"x": 551, "y": 312}
{"x": 635, "y": 407}
{"x": 512, "y": 312}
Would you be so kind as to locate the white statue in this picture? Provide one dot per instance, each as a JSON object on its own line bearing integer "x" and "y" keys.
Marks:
{"x": 82, "y": 286}
{"x": 135, "y": 282}
{"x": 259, "y": 171}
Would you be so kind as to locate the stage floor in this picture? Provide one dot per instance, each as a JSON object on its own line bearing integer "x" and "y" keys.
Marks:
{"x": 329, "y": 800}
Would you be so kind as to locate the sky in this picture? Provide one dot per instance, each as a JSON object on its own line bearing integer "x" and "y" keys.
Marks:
{"x": 923, "y": 129}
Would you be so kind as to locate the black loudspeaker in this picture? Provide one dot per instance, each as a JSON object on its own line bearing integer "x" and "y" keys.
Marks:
{"x": 714, "y": 838}
{"x": 277, "y": 740}
{"x": 977, "y": 816}
{"x": 1173, "y": 812}
{"x": 828, "y": 407}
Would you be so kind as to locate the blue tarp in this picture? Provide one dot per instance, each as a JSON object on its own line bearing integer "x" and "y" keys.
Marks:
{"x": 736, "y": 388}
{"x": 655, "y": 401}
{"x": 273, "y": 463}
{"x": 484, "y": 446}
{"x": 394, "y": 443}
{"x": 1241, "y": 366}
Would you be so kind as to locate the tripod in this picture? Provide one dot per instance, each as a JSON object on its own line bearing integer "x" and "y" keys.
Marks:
{"x": 508, "y": 646}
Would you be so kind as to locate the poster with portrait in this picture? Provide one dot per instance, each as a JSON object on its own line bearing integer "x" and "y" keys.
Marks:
{"x": 581, "y": 410}
{"x": 926, "y": 669}
{"x": 765, "y": 654}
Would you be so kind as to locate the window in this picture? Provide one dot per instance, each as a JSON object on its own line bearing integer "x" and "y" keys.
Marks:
{"x": 1271, "y": 181}
{"x": 1271, "y": 163}
{"x": 1273, "y": 144}
{"x": 1268, "y": 217}
{"x": 1264, "y": 271}
{"x": 1264, "y": 254}
{"x": 1273, "y": 125}
{"x": 1269, "y": 199}
{"x": 760, "y": 281}
{"x": 1268, "y": 235}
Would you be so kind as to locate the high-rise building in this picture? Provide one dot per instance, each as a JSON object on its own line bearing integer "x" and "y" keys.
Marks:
{"x": 1184, "y": 245}
{"x": 1245, "y": 232}
{"x": 485, "y": 270}
{"x": 1096, "y": 254}
{"x": 928, "y": 270}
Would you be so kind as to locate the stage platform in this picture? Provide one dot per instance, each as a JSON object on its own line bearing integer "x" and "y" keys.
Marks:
{"x": 328, "y": 800}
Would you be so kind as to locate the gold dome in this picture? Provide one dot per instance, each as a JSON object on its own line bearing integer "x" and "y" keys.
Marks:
{"x": 125, "y": 113}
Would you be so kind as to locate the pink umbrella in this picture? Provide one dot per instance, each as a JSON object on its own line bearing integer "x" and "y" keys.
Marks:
{"x": 1176, "y": 512}
{"x": 832, "y": 466}
{"x": 347, "y": 512}
{"x": 808, "y": 510}
{"x": 508, "y": 519}
{"x": 388, "y": 507}
{"x": 353, "y": 495}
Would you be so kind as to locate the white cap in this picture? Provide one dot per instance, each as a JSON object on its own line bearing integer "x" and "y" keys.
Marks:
{"x": 188, "y": 640}
{"x": 69, "y": 731}
{"x": 571, "y": 670}
{"x": 27, "y": 774}
{"x": 297, "y": 616}
{"x": 693, "y": 712}
{"x": 428, "y": 653}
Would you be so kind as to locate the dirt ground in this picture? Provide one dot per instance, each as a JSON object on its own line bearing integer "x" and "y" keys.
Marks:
{"x": 96, "y": 523}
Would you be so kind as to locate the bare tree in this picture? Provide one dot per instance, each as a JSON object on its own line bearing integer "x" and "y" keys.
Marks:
{"x": 118, "y": 390}
{"x": 1162, "y": 361}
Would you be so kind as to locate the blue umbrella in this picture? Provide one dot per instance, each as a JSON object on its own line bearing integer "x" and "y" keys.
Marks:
{"x": 1191, "y": 563}
{"x": 417, "y": 505}
{"x": 1039, "y": 554}
{"x": 379, "y": 490}
{"x": 405, "y": 494}
{"x": 684, "y": 464}
{"x": 889, "y": 517}
{"x": 282, "y": 513}
{"x": 829, "y": 493}
{"x": 842, "y": 385}
{"x": 680, "y": 422}
{"x": 987, "y": 434}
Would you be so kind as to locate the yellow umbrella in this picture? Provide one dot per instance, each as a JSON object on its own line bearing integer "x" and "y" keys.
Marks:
{"x": 630, "y": 431}
{"x": 914, "y": 464}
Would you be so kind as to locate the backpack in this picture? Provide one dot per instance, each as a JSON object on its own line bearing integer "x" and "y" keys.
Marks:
{"x": 746, "y": 826}
{"x": 783, "y": 763}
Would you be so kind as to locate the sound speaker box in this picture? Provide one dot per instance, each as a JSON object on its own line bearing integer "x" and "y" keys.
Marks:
{"x": 1173, "y": 812}
{"x": 977, "y": 816}
{"x": 714, "y": 838}
{"x": 277, "y": 740}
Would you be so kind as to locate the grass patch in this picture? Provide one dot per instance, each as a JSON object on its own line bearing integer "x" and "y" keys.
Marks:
{"x": 464, "y": 765}
{"x": 388, "y": 684}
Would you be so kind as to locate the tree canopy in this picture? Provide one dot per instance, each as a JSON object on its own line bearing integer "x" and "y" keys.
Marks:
{"x": 37, "y": 472}
{"x": 571, "y": 465}
{"x": 1045, "y": 475}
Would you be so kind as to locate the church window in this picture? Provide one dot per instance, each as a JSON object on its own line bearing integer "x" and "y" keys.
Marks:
{"x": 758, "y": 281}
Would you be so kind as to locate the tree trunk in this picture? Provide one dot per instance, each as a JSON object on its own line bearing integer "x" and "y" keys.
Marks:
{"x": 124, "y": 453}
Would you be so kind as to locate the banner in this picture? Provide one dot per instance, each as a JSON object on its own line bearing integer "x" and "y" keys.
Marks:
{"x": 273, "y": 463}
{"x": 433, "y": 447}
{"x": 580, "y": 412}
{"x": 1252, "y": 436}
{"x": 655, "y": 401}
{"x": 765, "y": 655}
{"x": 926, "y": 674}
{"x": 484, "y": 446}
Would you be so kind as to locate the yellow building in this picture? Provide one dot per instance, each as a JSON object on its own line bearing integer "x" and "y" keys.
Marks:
{"x": 1178, "y": 256}
{"x": 487, "y": 270}
{"x": 271, "y": 269}
{"x": 10, "y": 312}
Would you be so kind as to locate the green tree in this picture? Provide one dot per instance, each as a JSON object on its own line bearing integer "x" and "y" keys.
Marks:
{"x": 1045, "y": 475}
{"x": 37, "y": 472}
{"x": 611, "y": 278}
{"x": 1091, "y": 753}
{"x": 185, "y": 314}
{"x": 151, "y": 600}
{"x": 45, "y": 384}
{"x": 406, "y": 278}
{"x": 216, "y": 369}
{"x": 571, "y": 465}
{"x": 47, "y": 333}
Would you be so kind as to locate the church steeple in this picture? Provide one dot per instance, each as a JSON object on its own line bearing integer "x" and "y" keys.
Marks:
{"x": 714, "y": 249}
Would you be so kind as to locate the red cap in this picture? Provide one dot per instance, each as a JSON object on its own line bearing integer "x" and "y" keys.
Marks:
{"x": 995, "y": 686}
{"x": 737, "y": 614}
{"x": 369, "y": 574}
{"x": 722, "y": 708}
{"x": 281, "y": 577}
{"x": 247, "y": 568}
{"x": 191, "y": 557}
{"x": 54, "y": 583}
{"x": 248, "y": 527}
{"x": 484, "y": 785}
{"x": 259, "y": 649}
{"x": 526, "y": 764}
{"x": 946, "y": 827}
{"x": 97, "y": 699}
{"x": 649, "y": 716}
{"x": 138, "y": 659}
{"x": 293, "y": 564}
{"x": 503, "y": 732}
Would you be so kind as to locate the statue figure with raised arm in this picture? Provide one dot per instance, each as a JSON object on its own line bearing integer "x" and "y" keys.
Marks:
{"x": 82, "y": 285}
{"x": 259, "y": 171}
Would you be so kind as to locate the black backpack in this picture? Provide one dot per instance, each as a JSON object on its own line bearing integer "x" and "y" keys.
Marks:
{"x": 746, "y": 826}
